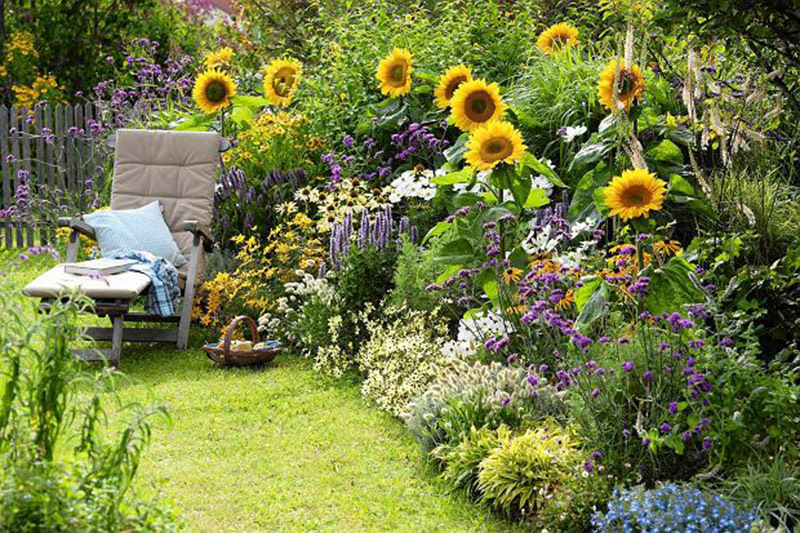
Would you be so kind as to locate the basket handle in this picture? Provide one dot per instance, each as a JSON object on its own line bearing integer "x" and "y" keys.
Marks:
{"x": 226, "y": 344}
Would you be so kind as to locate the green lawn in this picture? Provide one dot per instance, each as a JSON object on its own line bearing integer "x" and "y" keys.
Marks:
{"x": 280, "y": 448}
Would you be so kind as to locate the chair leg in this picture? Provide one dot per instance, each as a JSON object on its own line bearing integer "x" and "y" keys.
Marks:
{"x": 118, "y": 323}
{"x": 188, "y": 296}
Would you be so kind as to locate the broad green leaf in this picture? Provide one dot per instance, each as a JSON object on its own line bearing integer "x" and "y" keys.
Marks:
{"x": 456, "y": 152}
{"x": 250, "y": 101}
{"x": 670, "y": 287}
{"x": 448, "y": 273}
{"x": 460, "y": 176}
{"x": 533, "y": 163}
{"x": 680, "y": 185}
{"x": 666, "y": 152}
{"x": 437, "y": 230}
{"x": 242, "y": 116}
{"x": 195, "y": 123}
{"x": 456, "y": 252}
{"x": 536, "y": 198}
{"x": 589, "y": 154}
{"x": 583, "y": 293}
{"x": 593, "y": 308}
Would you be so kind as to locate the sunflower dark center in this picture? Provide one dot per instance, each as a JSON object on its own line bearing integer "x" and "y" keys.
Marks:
{"x": 216, "y": 92}
{"x": 627, "y": 82}
{"x": 637, "y": 195}
{"x": 284, "y": 81}
{"x": 453, "y": 86}
{"x": 397, "y": 73}
{"x": 497, "y": 149}
{"x": 480, "y": 106}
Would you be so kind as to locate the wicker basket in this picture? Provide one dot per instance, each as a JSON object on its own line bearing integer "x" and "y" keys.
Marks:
{"x": 223, "y": 355}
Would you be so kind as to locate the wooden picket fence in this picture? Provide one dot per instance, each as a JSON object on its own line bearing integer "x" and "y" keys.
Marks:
{"x": 64, "y": 165}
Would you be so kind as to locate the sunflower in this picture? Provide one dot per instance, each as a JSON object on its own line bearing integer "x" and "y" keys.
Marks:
{"x": 213, "y": 90}
{"x": 475, "y": 103}
{"x": 635, "y": 194}
{"x": 557, "y": 37}
{"x": 220, "y": 58}
{"x": 494, "y": 143}
{"x": 394, "y": 73}
{"x": 449, "y": 82}
{"x": 511, "y": 275}
{"x": 281, "y": 80}
{"x": 629, "y": 85}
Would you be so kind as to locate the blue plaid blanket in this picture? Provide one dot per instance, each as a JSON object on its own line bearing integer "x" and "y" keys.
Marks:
{"x": 162, "y": 296}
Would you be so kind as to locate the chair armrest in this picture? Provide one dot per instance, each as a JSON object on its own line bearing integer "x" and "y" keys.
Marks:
{"x": 77, "y": 224}
{"x": 200, "y": 231}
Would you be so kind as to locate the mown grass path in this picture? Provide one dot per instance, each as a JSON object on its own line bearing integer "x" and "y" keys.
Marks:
{"x": 278, "y": 448}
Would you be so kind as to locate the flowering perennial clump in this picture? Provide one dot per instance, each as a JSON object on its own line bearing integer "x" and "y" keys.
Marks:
{"x": 673, "y": 508}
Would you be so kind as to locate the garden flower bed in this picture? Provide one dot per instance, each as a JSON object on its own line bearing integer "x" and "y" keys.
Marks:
{"x": 558, "y": 244}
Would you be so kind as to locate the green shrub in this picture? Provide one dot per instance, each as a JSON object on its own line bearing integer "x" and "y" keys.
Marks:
{"x": 522, "y": 474}
{"x": 416, "y": 269}
{"x": 465, "y": 396}
{"x": 61, "y": 469}
{"x": 401, "y": 357}
{"x": 461, "y": 461}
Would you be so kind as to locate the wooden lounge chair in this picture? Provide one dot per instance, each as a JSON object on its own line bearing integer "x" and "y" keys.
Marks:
{"x": 179, "y": 170}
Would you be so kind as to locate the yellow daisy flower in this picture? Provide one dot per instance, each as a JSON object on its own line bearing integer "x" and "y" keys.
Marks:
{"x": 494, "y": 143}
{"x": 667, "y": 248}
{"x": 219, "y": 59}
{"x": 449, "y": 83}
{"x": 394, "y": 73}
{"x": 213, "y": 90}
{"x": 511, "y": 275}
{"x": 635, "y": 194}
{"x": 557, "y": 38}
{"x": 475, "y": 103}
{"x": 281, "y": 80}
{"x": 629, "y": 84}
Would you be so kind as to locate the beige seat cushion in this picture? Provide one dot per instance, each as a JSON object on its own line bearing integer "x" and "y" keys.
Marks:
{"x": 55, "y": 282}
{"x": 178, "y": 168}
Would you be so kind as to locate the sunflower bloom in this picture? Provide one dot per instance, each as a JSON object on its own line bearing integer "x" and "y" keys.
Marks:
{"x": 213, "y": 91}
{"x": 635, "y": 194}
{"x": 450, "y": 81}
{"x": 281, "y": 79}
{"x": 511, "y": 275}
{"x": 620, "y": 86}
{"x": 494, "y": 143}
{"x": 557, "y": 38}
{"x": 394, "y": 73}
{"x": 219, "y": 59}
{"x": 475, "y": 103}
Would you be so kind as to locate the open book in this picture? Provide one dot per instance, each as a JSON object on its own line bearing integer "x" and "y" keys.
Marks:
{"x": 99, "y": 267}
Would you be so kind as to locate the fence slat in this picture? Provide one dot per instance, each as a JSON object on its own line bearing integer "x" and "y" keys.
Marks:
{"x": 7, "y": 241}
{"x": 40, "y": 186}
{"x": 79, "y": 160}
{"x": 26, "y": 163}
{"x": 14, "y": 138}
{"x": 61, "y": 179}
{"x": 91, "y": 172}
